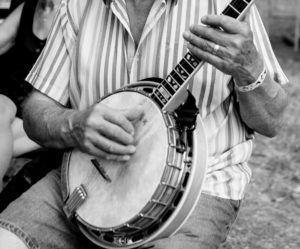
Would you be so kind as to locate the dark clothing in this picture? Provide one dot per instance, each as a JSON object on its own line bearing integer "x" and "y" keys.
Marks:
{"x": 17, "y": 62}
{"x": 14, "y": 67}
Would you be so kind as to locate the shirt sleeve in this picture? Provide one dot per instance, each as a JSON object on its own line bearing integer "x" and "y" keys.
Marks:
{"x": 51, "y": 72}
{"x": 264, "y": 47}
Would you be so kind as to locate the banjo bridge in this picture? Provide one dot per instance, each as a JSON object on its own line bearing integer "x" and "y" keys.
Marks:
{"x": 101, "y": 170}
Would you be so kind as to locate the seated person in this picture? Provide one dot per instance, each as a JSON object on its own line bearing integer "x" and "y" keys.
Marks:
{"x": 22, "y": 37}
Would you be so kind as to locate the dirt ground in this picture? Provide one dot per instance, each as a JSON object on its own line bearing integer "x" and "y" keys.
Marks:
{"x": 270, "y": 214}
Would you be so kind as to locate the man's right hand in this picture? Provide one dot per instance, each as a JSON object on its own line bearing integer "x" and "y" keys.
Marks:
{"x": 105, "y": 132}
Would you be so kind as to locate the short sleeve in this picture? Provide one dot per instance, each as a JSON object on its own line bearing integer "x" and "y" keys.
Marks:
{"x": 51, "y": 72}
{"x": 264, "y": 47}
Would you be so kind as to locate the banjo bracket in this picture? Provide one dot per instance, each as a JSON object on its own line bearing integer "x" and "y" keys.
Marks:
{"x": 186, "y": 116}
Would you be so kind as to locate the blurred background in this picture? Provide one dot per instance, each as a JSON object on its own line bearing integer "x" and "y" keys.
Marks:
{"x": 270, "y": 214}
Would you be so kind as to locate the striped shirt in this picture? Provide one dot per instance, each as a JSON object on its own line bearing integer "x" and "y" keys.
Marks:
{"x": 90, "y": 52}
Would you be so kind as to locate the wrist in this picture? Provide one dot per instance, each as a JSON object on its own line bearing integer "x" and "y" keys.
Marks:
{"x": 249, "y": 74}
{"x": 69, "y": 128}
{"x": 254, "y": 84}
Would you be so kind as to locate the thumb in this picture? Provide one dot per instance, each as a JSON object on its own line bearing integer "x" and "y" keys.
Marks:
{"x": 134, "y": 113}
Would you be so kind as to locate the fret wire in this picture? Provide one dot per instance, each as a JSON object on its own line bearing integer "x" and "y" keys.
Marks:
{"x": 174, "y": 84}
{"x": 158, "y": 99}
{"x": 230, "y": 12}
{"x": 165, "y": 93}
{"x": 239, "y": 5}
{"x": 191, "y": 60}
{"x": 177, "y": 77}
{"x": 169, "y": 87}
{"x": 181, "y": 72}
{"x": 187, "y": 66}
{"x": 234, "y": 9}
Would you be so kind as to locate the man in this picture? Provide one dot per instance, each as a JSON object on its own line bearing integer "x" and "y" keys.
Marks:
{"x": 98, "y": 46}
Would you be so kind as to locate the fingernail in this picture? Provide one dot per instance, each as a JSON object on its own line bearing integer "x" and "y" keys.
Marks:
{"x": 124, "y": 158}
{"x": 204, "y": 18}
{"x": 132, "y": 149}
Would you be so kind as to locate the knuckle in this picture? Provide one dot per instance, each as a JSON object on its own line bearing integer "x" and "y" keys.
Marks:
{"x": 193, "y": 38}
{"x": 238, "y": 42}
{"x": 120, "y": 118}
{"x": 205, "y": 57}
{"x": 234, "y": 54}
{"x": 100, "y": 125}
{"x": 223, "y": 53}
{"x": 90, "y": 120}
{"x": 86, "y": 144}
{"x": 222, "y": 66}
{"x": 207, "y": 47}
{"x": 206, "y": 32}
{"x": 108, "y": 148}
{"x": 225, "y": 21}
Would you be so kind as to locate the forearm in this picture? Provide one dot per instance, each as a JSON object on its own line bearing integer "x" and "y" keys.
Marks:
{"x": 262, "y": 109}
{"x": 5, "y": 45}
{"x": 47, "y": 123}
{"x": 9, "y": 29}
{"x": 97, "y": 130}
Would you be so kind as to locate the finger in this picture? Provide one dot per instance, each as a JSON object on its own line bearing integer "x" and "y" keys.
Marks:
{"x": 206, "y": 45}
{"x": 118, "y": 118}
{"x": 209, "y": 33}
{"x": 228, "y": 24}
{"x": 135, "y": 113}
{"x": 93, "y": 150}
{"x": 206, "y": 56}
{"x": 111, "y": 147}
{"x": 114, "y": 132}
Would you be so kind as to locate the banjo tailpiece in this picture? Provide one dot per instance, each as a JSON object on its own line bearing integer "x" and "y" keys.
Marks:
{"x": 75, "y": 200}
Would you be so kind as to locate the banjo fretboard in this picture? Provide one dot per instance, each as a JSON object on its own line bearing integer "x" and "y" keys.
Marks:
{"x": 189, "y": 64}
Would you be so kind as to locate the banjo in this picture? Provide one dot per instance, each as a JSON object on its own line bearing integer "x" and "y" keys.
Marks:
{"x": 128, "y": 204}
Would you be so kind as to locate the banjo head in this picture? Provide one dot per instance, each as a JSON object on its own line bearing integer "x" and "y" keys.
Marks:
{"x": 150, "y": 196}
{"x": 112, "y": 203}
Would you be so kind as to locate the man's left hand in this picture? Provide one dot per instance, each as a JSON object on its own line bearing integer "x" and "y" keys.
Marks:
{"x": 230, "y": 47}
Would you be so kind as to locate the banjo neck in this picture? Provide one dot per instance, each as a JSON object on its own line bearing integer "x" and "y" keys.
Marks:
{"x": 169, "y": 94}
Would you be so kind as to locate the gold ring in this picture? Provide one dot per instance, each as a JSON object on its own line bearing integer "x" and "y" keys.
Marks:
{"x": 215, "y": 49}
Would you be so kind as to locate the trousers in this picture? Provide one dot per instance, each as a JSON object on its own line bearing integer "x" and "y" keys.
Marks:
{"x": 37, "y": 218}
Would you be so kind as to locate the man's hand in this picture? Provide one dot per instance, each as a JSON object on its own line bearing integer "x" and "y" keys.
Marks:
{"x": 236, "y": 54}
{"x": 230, "y": 48}
{"x": 98, "y": 130}
{"x": 105, "y": 132}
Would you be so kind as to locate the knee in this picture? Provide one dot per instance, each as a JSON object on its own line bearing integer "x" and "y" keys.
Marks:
{"x": 7, "y": 110}
{"x": 10, "y": 241}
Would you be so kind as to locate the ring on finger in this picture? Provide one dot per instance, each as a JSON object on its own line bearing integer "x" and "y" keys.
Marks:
{"x": 215, "y": 49}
